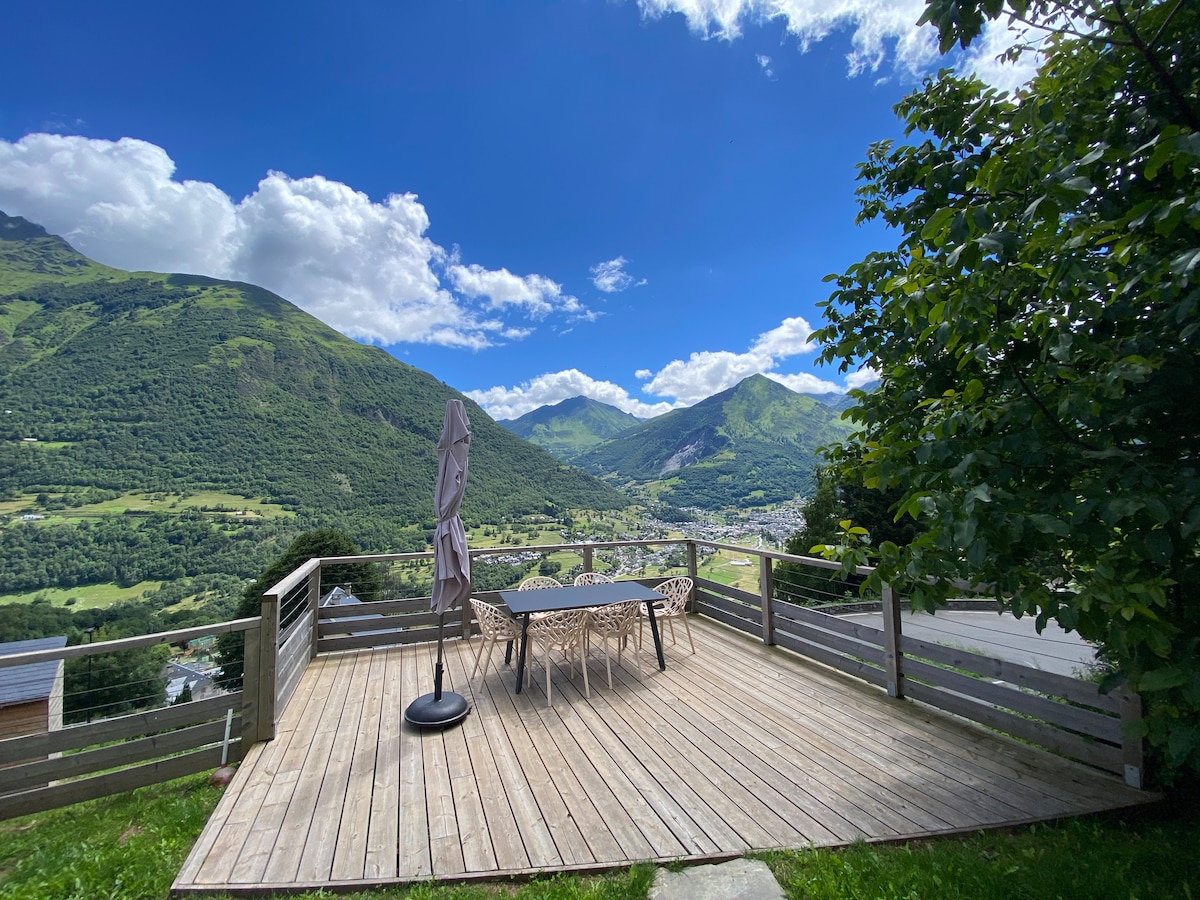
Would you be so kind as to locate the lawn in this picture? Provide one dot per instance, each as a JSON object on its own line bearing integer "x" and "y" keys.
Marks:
{"x": 132, "y": 845}
{"x": 91, "y": 596}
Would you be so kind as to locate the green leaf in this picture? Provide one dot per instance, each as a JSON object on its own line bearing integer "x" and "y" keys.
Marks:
{"x": 1162, "y": 679}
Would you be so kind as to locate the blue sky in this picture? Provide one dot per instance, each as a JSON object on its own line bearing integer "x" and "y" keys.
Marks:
{"x": 633, "y": 200}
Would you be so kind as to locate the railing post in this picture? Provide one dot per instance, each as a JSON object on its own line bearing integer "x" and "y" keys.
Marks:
{"x": 250, "y": 679}
{"x": 892, "y": 658}
{"x": 587, "y": 557}
{"x": 268, "y": 655}
{"x": 314, "y": 604}
{"x": 766, "y": 586}
{"x": 691, "y": 560}
{"x": 1132, "y": 754}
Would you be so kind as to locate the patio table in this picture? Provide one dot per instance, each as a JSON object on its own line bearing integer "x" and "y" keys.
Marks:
{"x": 525, "y": 603}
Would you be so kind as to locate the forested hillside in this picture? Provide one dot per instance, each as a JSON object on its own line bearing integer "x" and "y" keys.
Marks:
{"x": 114, "y": 382}
{"x": 753, "y": 444}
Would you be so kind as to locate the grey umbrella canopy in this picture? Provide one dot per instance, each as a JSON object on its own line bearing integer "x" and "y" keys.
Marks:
{"x": 451, "y": 563}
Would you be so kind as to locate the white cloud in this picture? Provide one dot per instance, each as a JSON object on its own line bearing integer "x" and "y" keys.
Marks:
{"x": 117, "y": 202}
{"x": 790, "y": 338}
{"x": 877, "y": 28}
{"x": 709, "y": 372}
{"x": 865, "y": 375}
{"x": 501, "y": 288}
{"x": 764, "y": 63}
{"x": 554, "y": 387}
{"x": 363, "y": 267}
{"x": 611, "y": 276}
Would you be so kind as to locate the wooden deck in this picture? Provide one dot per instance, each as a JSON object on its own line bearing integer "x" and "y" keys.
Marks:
{"x": 739, "y": 747}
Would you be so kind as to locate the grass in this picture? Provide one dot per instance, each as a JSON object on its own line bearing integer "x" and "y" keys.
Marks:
{"x": 126, "y": 846}
{"x": 91, "y": 596}
{"x": 211, "y": 501}
{"x": 132, "y": 846}
{"x": 1079, "y": 859}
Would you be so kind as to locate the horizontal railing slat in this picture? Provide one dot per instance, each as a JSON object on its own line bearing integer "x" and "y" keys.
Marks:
{"x": 856, "y": 667}
{"x": 76, "y": 737}
{"x": 1014, "y": 673}
{"x": 1102, "y": 756}
{"x": 749, "y": 626}
{"x": 869, "y": 650}
{"x": 1094, "y": 724}
{"x": 146, "y": 640}
{"x": 724, "y": 590}
{"x": 375, "y": 607}
{"x": 41, "y": 799}
{"x": 43, "y": 771}
{"x": 785, "y": 611}
{"x": 354, "y": 625}
{"x": 384, "y": 639}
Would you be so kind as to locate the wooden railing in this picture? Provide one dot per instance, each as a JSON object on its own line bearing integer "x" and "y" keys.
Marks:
{"x": 1064, "y": 714}
{"x": 94, "y": 759}
{"x": 78, "y": 762}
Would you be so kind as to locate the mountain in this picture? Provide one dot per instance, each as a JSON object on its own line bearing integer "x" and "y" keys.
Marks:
{"x": 752, "y": 444}
{"x": 835, "y": 400}
{"x": 120, "y": 381}
{"x": 571, "y": 427}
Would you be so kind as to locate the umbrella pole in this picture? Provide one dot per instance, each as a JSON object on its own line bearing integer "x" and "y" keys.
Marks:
{"x": 437, "y": 669}
{"x": 439, "y": 709}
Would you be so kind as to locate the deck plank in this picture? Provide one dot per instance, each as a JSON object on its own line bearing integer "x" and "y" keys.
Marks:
{"x": 415, "y": 861}
{"x": 382, "y": 844}
{"x": 737, "y": 747}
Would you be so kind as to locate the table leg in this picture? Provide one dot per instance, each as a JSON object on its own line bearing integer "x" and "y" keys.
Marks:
{"x": 508, "y": 653}
{"x": 662, "y": 663}
{"x": 521, "y": 651}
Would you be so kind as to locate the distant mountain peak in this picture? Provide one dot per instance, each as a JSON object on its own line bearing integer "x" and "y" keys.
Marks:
{"x": 752, "y": 444}
{"x": 16, "y": 228}
{"x": 571, "y": 426}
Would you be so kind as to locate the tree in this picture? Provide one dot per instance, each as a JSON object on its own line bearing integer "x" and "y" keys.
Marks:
{"x": 364, "y": 578}
{"x": 799, "y": 583}
{"x": 1035, "y": 333}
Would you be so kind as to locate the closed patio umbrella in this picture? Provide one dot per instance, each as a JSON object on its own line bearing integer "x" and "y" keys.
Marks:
{"x": 451, "y": 563}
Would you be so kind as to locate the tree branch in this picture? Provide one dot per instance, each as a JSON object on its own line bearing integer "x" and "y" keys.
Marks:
{"x": 1189, "y": 115}
{"x": 1050, "y": 417}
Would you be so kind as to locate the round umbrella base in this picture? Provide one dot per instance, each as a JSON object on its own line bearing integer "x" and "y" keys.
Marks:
{"x": 430, "y": 711}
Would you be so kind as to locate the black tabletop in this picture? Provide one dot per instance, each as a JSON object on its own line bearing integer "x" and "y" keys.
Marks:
{"x": 571, "y": 597}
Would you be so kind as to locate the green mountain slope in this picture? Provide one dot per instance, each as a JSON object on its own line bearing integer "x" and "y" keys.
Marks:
{"x": 571, "y": 427}
{"x": 138, "y": 381}
{"x": 754, "y": 443}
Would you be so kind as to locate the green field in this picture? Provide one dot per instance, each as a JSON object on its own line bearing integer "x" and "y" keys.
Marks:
{"x": 92, "y": 596}
{"x": 136, "y": 502}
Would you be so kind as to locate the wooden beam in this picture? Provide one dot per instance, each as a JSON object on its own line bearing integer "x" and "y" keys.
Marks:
{"x": 893, "y": 658}
{"x": 766, "y": 586}
{"x": 1132, "y": 749}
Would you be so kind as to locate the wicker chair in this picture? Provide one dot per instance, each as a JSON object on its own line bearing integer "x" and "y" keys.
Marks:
{"x": 537, "y": 582}
{"x": 615, "y": 620}
{"x": 677, "y": 591}
{"x": 495, "y": 626}
{"x": 591, "y": 578}
{"x": 565, "y": 630}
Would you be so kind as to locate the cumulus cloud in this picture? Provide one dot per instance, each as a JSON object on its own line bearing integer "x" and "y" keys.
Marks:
{"x": 683, "y": 382}
{"x": 611, "y": 276}
{"x": 706, "y": 372}
{"x": 764, "y": 63}
{"x": 554, "y": 387}
{"x": 874, "y": 26}
{"x": 366, "y": 268}
{"x": 501, "y": 288}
